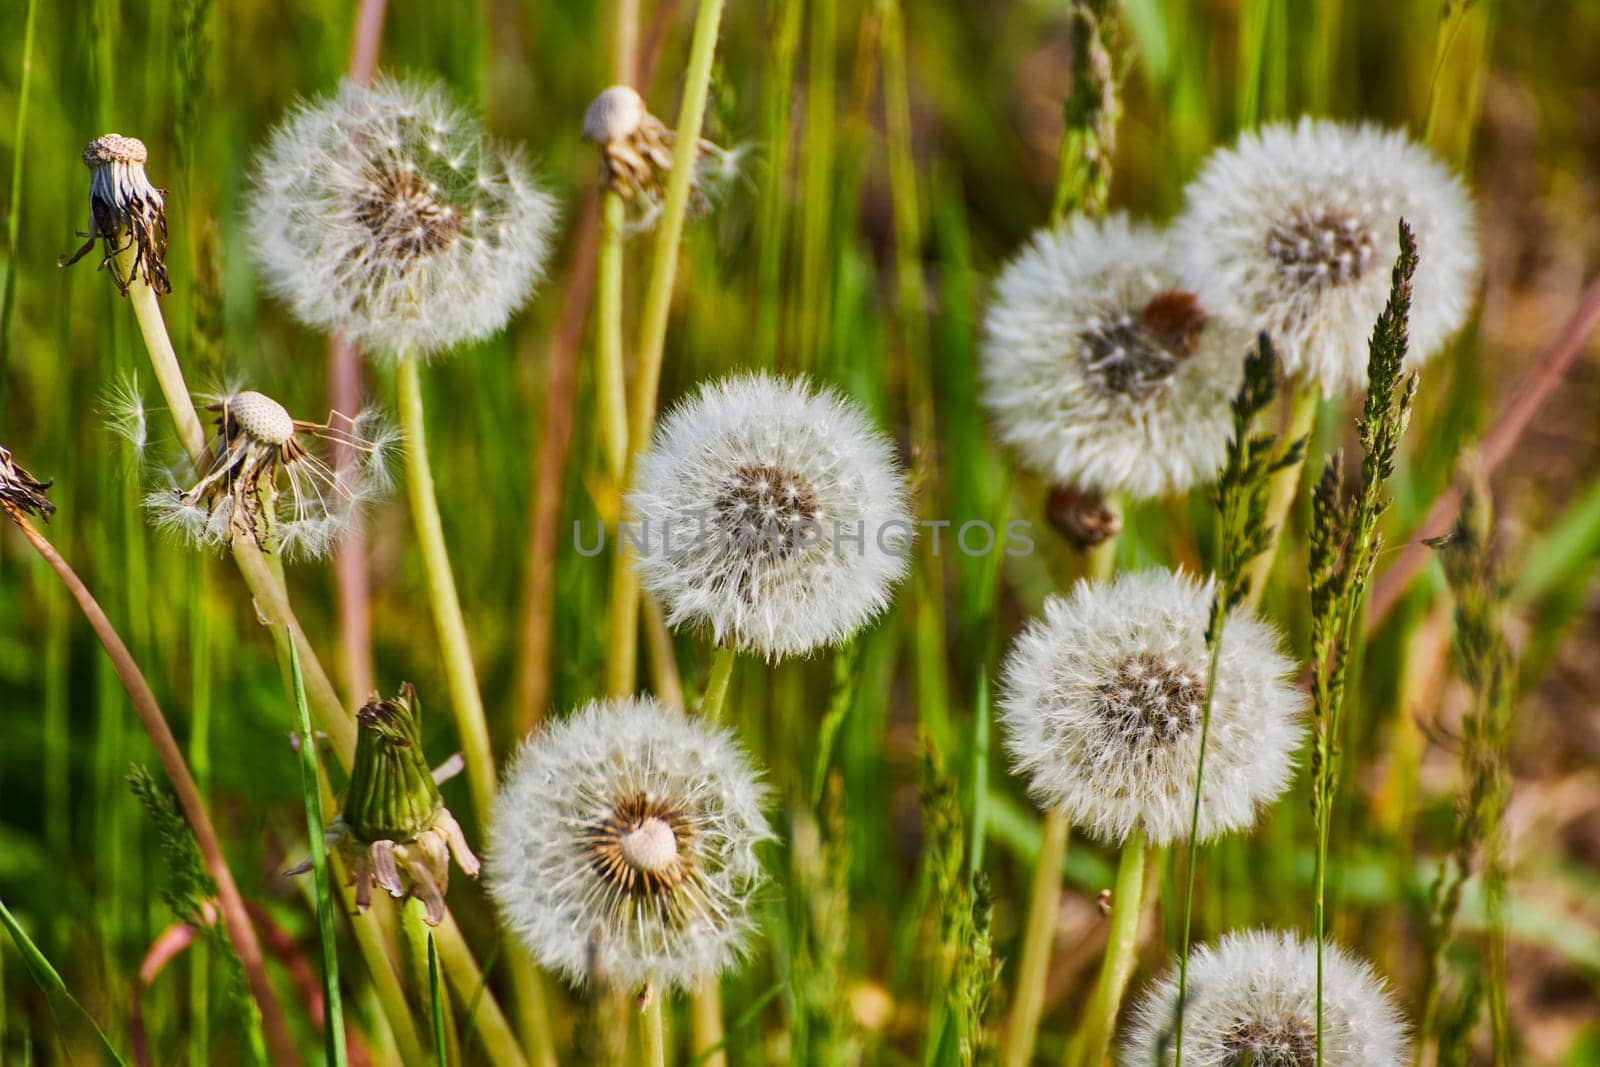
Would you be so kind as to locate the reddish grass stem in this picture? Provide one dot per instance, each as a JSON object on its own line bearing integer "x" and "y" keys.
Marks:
{"x": 240, "y": 932}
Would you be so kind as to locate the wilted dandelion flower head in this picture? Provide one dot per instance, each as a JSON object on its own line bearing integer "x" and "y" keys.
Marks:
{"x": 1101, "y": 369}
{"x": 383, "y": 211}
{"x": 623, "y": 846}
{"x": 21, "y": 490}
{"x": 1294, "y": 230}
{"x": 1102, "y": 700}
{"x": 266, "y": 480}
{"x": 394, "y": 826}
{"x": 125, "y": 211}
{"x": 772, "y": 512}
{"x": 1252, "y": 999}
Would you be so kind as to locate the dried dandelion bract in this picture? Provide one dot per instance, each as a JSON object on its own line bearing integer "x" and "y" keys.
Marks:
{"x": 266, "y": 481}
{"x": 1292, "y": 231}
{"x": 623, "y": 846}
{"x": 125, "y": 210}
{"x": 1252, "y": 998}
{"x": 1102, "y": 702}
{"x": 773, "y": 513}
{"x": 384, "y": 212}
{"x": 1101, "y": 369}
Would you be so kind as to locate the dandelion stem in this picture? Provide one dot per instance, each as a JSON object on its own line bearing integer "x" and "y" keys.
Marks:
{"x": 652, "y": 1039}
{"x": 465, "y": 700}
{"x": 164, "y": 362}
{"x": 707, "y": 1030}
{"x": 1302, "y": 416}
{"x": 231, "y": 904}
{"x": 612, "y": 390}
{"x": 1037, "y": 939}
{"x": 717, "y": 685}
{"x": 1094, "y": 1040}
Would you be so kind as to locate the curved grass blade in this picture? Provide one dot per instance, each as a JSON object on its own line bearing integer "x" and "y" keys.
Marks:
{"x": 49, "y": 980}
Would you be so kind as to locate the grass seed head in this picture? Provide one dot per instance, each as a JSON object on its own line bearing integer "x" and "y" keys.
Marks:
{"x": 383, "y": 211}
{"x": 125, "y": 210}
{"x": 1292, "y": 231}
{"x": 1102, "y": 700}
{"x": 773, "y": 513}
{"x": 1252, "y": 999}
{"x": 1101, "y": 369}
{"x": 623, "y": 846}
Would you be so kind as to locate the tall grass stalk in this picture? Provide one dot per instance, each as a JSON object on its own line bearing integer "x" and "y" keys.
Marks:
{"x": 8, "y": 290}
{"x": 230, "y": 903}
{"x": 332, "y": 998}
{"x": 816, "y": 190}
{"x": 436, "y": 1003}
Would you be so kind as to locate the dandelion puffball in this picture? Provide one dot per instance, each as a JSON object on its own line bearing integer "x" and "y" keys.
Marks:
{"x": 383, "y": 211}
{"x": 1101, "y": 370}
{"x": 622, "y": 848}
{"x": 772, "y": 512}
{"x": 266, "y": 482}
{"x": 1294, "y": 231}
{"x": 1253, "y": 999}
{"x": 1102, "y": 701}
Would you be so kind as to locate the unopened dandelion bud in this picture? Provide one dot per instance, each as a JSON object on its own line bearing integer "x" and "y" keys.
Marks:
{"x": 21, "y": 491}
{"x": 125, "y": 211}
{"x": 394, "y": 825}
{"x": 266, "y": 482}
{"x": 623, "y": 846}
{"x": 1252, "y": 999}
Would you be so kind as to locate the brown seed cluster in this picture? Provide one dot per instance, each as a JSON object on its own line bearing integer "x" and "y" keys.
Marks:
{"x": 1152, "y": 699}
{"x": 1132, "y": 354}
{"x": 635, "y": 146}
{"x": 768, "y": 512}
{"x": 639, "y": 849}
{"x": 405, "y": 216}
{"x": 21, "y": 490}
{"x": 1315, "y": 250}
{"x": 1253, "y": 1042}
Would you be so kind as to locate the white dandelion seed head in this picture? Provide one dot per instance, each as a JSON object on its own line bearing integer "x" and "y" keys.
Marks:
{"x": 1252, "y": 998}
{"x": 622, "y": 848}
{"x": 1294, "y": 231}
{"x": 384, "y": 212}
{"x": 1101, "y": 370}
{"x": 272, "y": 478}
{"x": 1102, "y": 701}
{"x": 771, "y": 512}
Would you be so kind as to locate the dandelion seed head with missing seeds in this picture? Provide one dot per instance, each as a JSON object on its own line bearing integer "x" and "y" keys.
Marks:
{"x": 636, "y": 155}
{"x": 1252, "y": 998}
{"x": 384, "y": 212}
{"x": 1102, "y": 701}
{"x": 1099, "y": 367}
{"x": 266, "y": 480}
{"x": 623, "y": 846}
{"x": 125, "y": 211}
{"x": 1293, "y": 231}
{"x": 394, "y": 826}
{"x": 773, "y": 513}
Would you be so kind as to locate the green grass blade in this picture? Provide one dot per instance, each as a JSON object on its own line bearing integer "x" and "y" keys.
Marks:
{"x": 437, "y": 1001}
{"x": 333, "y": 1027}
{"x": 50, "y": 981}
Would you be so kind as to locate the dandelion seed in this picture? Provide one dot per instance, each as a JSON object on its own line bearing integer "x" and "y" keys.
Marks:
{"x": 382, "y": 211}
{"x": 1103, "y": 700}
{"x": 623, "y": 846}
{"x": 21, "y": 490}
{"x": 773, "y": 513}
{"x": 636, "y": 153}
{"x": 1293, "y": 231}
{"x": 1101, "y": 369}
{"x": 1252, "y": 999}
{"x": 394, "y": 826}
{"x": 267, "y": 483}
{"x": 125, "y": 211}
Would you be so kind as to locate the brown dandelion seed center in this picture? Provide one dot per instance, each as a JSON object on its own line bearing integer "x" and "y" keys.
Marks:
{"x": 1132, "y": 353}
{"x": 1254, "y": 1042}
{"x": 639, "y": 846}
{"x": 1315, "y": 249}
{"x": 768, "y": 512}
{"x": 405, "y": 216}
{"x": 1152, "y": 697}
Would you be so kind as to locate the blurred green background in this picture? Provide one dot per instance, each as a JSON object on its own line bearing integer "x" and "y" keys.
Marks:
{"x": 801, "y": 265}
